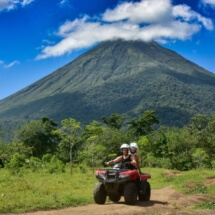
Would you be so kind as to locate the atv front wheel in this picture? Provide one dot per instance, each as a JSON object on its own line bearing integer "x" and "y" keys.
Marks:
{"x": 99, "y": 193}
{"x": 130, "y": 193}
{"x": 146, "y": 195}
{"x": 114, "y": 197}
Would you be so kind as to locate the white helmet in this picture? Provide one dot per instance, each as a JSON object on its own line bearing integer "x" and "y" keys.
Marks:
{"x": 124, "y": 146}
{"x": 133, "y": 145}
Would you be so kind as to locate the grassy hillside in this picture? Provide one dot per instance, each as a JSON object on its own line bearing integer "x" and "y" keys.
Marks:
{"x": 118, "y": 76}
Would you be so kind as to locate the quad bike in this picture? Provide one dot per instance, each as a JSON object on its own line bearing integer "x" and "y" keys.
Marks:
{"x": 121, "y": 181}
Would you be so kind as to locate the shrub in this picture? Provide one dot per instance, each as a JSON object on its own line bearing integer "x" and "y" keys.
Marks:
{"x": 151, "y": 160}
{"x": 16, "y": 163}
{"x": 83, "y": 168}
{"x": 35, "y": 163}
{"x": 55, "y": 165}
{"x": 164, "y": 163}
{"x": 200, "y": 157}
{"x": 47, "y": 158}
{"x": 213, "y": 164}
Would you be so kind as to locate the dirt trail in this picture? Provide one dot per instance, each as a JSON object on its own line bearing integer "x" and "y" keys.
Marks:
{"x": 163, "y": 201}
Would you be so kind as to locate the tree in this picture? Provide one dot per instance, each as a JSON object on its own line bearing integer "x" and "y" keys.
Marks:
{"x": 114, "y": 121}
{"x": 143, "y": 149}
{"x": 94, "y": 128}
{"x": 200, "y": 157}
{"x": 198, "y": 123}
{"x": 92, "y": 149}
{"x": 3, "y": 153}
{"x": 112, "y": 139}
{"x": 180, "y": 148}
{"x": 155, "y": 144}
{"x": 202, "y": 128}
{"x": 144, "y": 124}
{"x": 209, "y": 146}
{"x": 101, "y": 143}
{"x": 40, "y": 135}
{"x": 70, "y": 133}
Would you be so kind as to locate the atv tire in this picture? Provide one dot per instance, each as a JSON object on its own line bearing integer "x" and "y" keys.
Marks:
{"x": 99, "y": 194}
{"x": 147, "y": 194}
{"x": 114, "y": 198}
{"x": 130, "y": 194}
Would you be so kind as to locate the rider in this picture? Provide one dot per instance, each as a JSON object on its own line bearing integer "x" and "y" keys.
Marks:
{"x": 133, "y": 150}
{"x": 126, "y": 158}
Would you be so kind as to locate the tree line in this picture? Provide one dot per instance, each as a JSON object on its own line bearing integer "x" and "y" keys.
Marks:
{"x": 43, "y": 142}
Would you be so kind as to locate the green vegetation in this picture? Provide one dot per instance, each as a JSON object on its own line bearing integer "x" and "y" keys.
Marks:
{"x": 115, "y": 93}
{"x": 38, "y": 190}
{"x": 186, "y": 148}
{"x": 33, "y": 190}
{"x": 206, "y": 205}
{"x": 46, "y": 163}
{"x": 181, "y": 181}
{"x": 125, "y": 77}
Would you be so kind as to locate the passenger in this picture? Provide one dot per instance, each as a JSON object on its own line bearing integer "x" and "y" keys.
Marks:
{"x": 127, "y": 160}
{"x": 133, "y": 150}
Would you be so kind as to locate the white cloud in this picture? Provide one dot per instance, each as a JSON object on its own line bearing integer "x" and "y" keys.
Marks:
{"x": 12, "y": 4}
{"x": 187, "y": 14}
{"x": 146, "y": 20}
{"x": 6, "y": 5}
{"x": 63, "y": 2}
{"x": 147, "y": 11}
{"x": 209, "y": 2}
{"x": 26, "y": 2}
{"x": 11, "y": 64}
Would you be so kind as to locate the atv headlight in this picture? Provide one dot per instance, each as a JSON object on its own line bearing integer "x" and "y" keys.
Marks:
{"x": 100, "y": 176}
{"x": 124, "y": 177}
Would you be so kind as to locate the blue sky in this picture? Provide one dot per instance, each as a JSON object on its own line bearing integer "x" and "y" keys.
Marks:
{"x": 39, "y": 36}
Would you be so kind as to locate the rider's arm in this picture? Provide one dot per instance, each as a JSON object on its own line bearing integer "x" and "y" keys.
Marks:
{"x": 138, "y": 161}
{"x": 116, "y": 160}
{"x": 136, "y": 158}
{"x": 133, "y": 161}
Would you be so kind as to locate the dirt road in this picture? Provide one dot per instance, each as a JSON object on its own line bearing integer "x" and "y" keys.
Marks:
{"x": 163, "y": 201}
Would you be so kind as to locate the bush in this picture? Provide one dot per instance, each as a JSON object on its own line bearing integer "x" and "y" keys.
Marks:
{"x": 151, "y": 160}
{"x": 16, "y": 163}
{"x": 213, "y": 164}
{"x": 35, "y": 164}
{"x": 112, "y": 156}
{"x": 55, "y": 165}
{"x": 47, "y": 158}
{"x": 83, "y": 168}
{"x": 200, "y": 158}
{"x": 164, "y": 163}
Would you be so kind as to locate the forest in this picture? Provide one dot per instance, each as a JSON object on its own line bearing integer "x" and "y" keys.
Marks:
{"x": 45, "y": 144}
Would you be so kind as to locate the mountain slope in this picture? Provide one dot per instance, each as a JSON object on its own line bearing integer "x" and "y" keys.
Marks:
{"x": 126, "y": 77}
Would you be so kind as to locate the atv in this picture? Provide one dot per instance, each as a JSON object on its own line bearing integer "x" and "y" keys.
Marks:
{"x": 121, "y": 181}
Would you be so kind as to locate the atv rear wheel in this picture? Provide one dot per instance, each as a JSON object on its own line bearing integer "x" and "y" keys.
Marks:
{"x": 130, "y": 193}
{"x": 99, "y": 193}
{"x": 147, "y": 194}
{"x": 114, "y": 197}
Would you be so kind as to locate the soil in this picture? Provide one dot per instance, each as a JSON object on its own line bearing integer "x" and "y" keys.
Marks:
{"x": 163, "y": 201}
